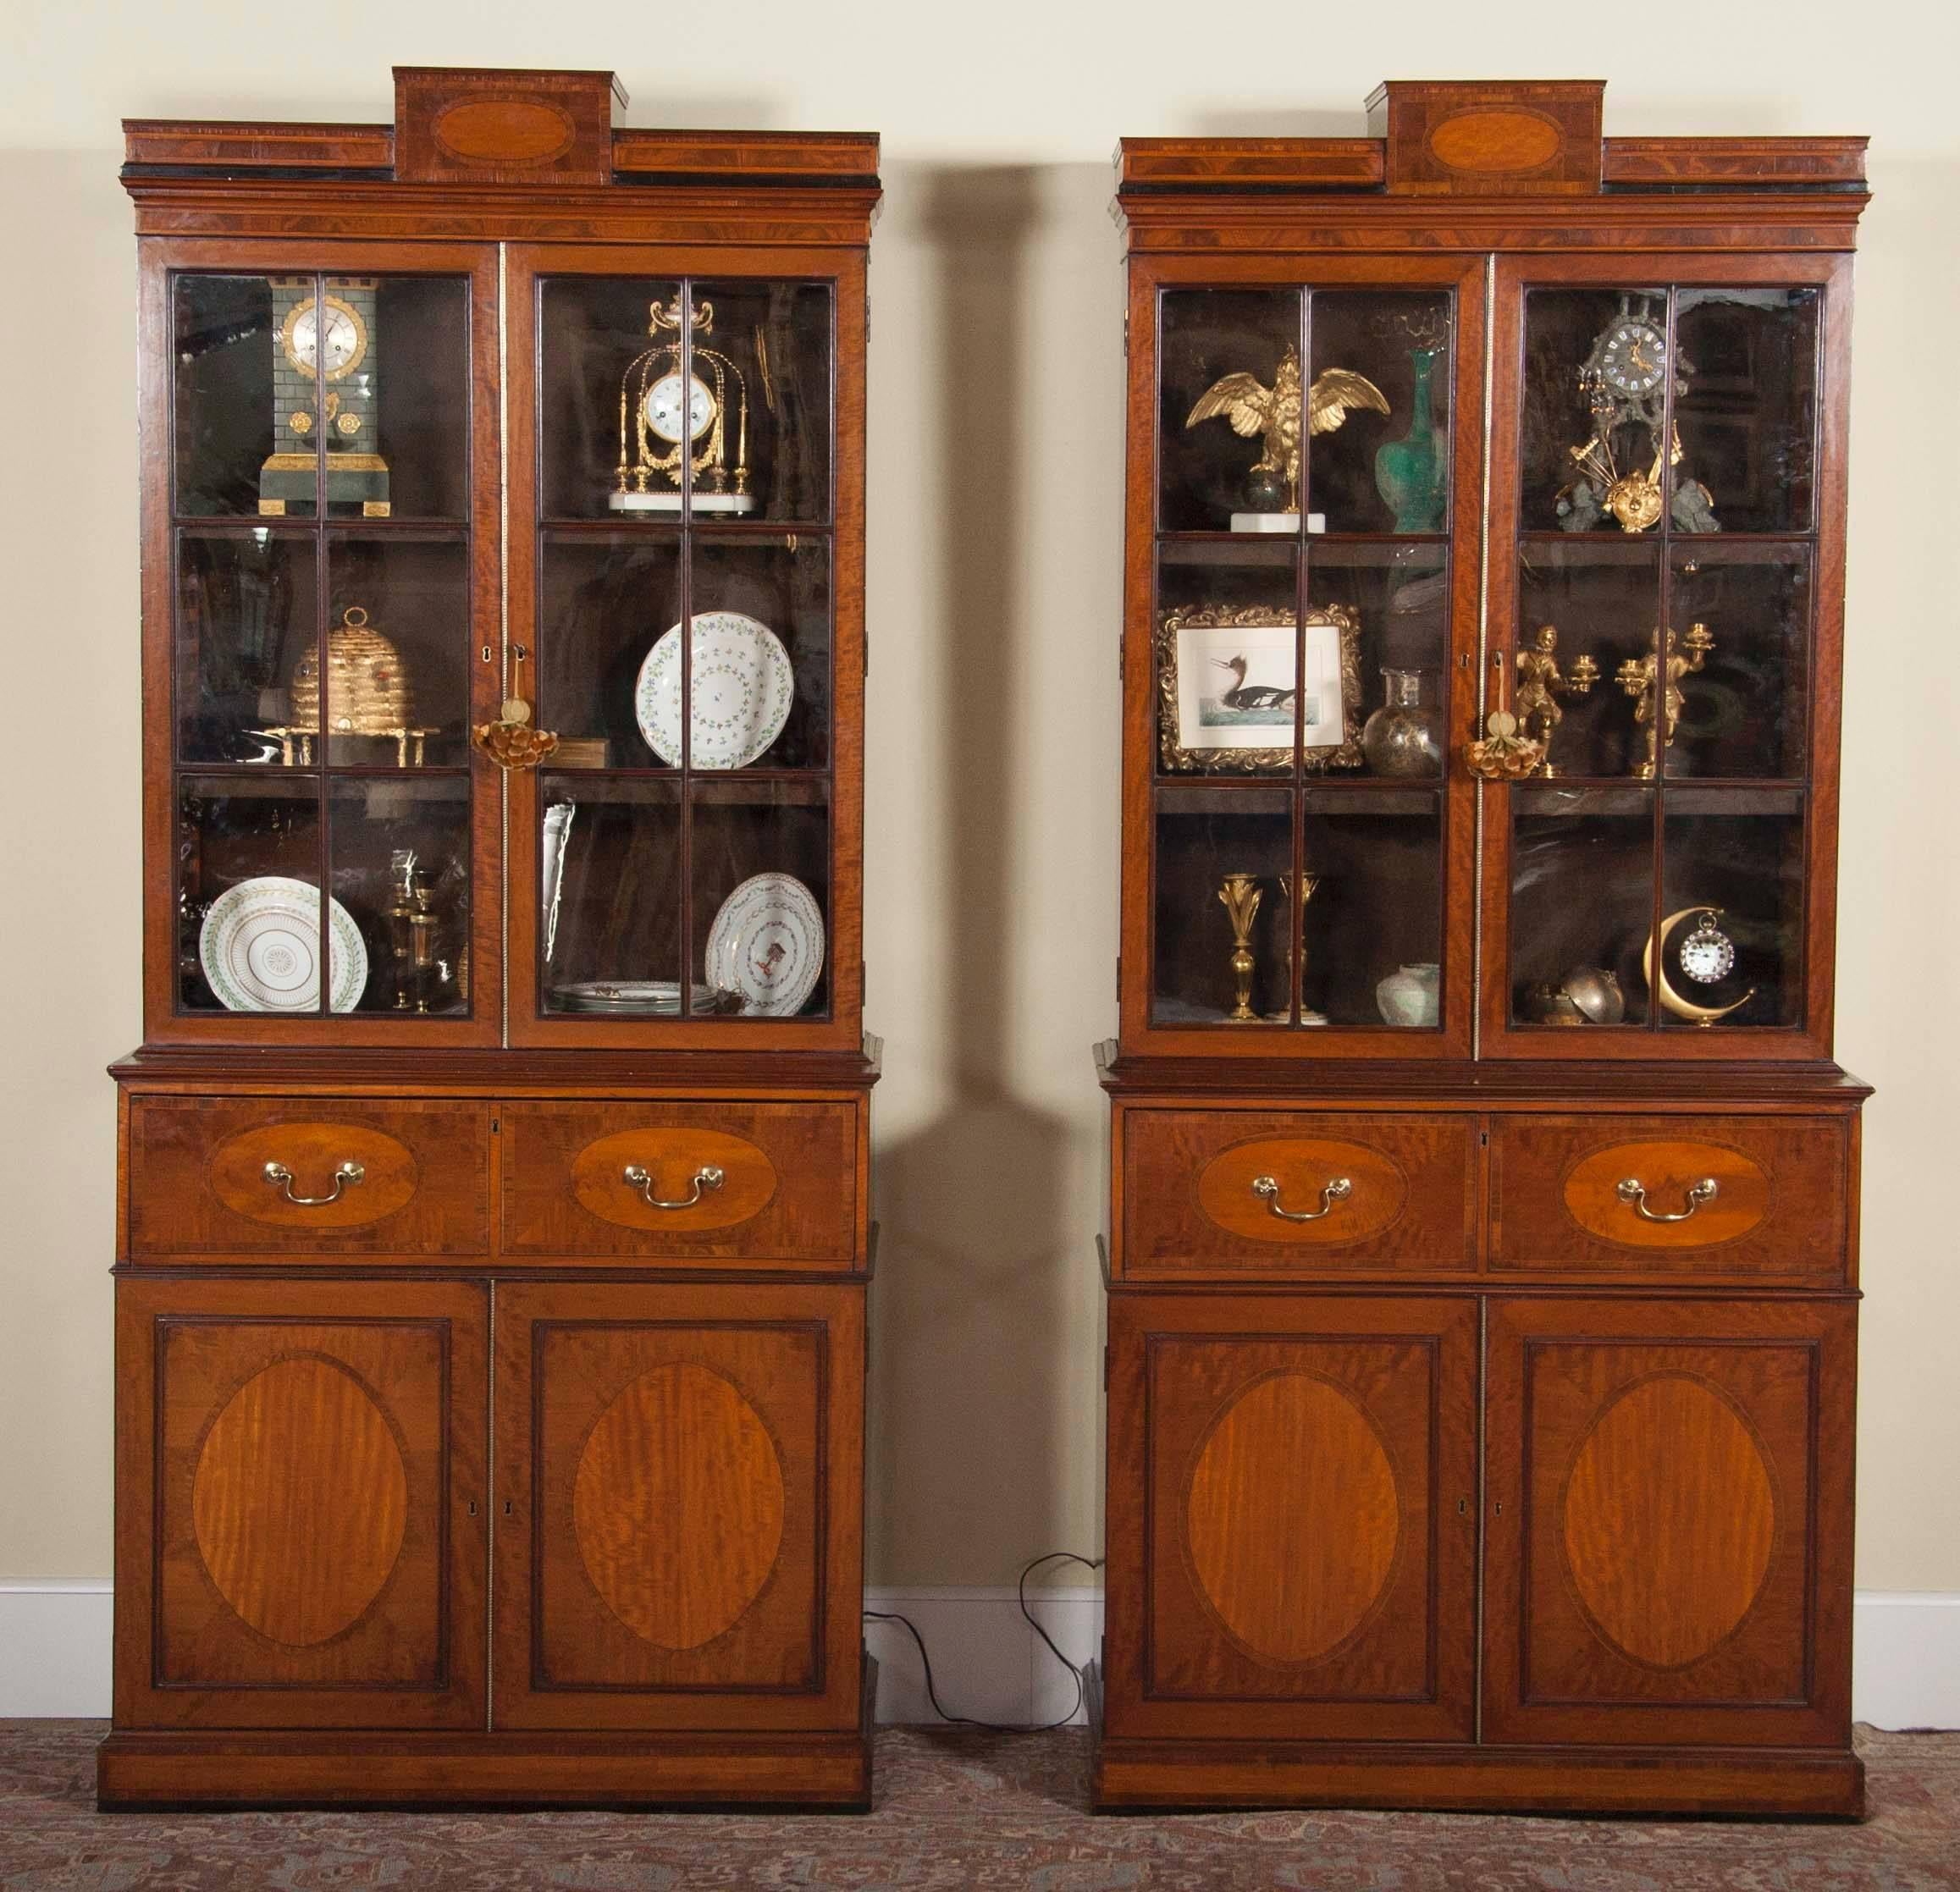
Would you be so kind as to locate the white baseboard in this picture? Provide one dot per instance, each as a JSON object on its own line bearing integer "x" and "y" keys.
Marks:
{"x": 54, "y": 1653}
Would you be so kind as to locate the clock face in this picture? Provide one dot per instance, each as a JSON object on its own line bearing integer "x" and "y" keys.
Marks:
{"x": 662, "y": 407}
{"x": 337, "y": 342}
{"x": 1634, "y": 358}
{"x": 1707, "y": 955}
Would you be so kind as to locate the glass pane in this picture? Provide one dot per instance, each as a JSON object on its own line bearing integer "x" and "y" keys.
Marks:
{"x": 1372, "y": 925}
{"x": 397, "y": 398}
{"x": 247, "y": 608}
{"x": 1397, "y": 599}
{"x": 596, "y": 440}
{"x": 248, "y": 898}
{"x": 1586, "y": 611}
{"x": 401, "y": 868}
{"x": 227, "y": 421}
{"x": 604, "y": 603}
{"x": 1742, "y": 710}
{"x": 1581, "y": 904}
{"x": 1746, "y": 409}
{"x": 398, "y": 655}
{"x": 1227, "y": 653}
{"x": 1595, "y": 387}
{"x": 1223, "y": 937}
{"x": 760, "y": 665}
{"x": 1732, "y": 888}
{"x": 1378, "y": 410}
{"x": 610, "y": 932}
{"x": 759, "y": 853}
{"x": 1229, "y": 406}
{"x": 762, "y": 354}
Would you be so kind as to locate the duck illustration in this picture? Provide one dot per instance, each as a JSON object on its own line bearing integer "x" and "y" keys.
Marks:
{"x": 1255, "y": 696}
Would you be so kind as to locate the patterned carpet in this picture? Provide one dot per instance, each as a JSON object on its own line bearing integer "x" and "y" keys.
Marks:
{"x": 960, "y": 1810}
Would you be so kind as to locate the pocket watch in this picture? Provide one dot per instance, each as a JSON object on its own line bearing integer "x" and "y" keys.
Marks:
{"x": 1707, "y": 954}
{"x": 340, "y": 338}
{"x": 662, "y": 403}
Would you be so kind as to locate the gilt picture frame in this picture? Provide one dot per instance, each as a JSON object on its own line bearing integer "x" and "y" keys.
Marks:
{"x": 1226, "y": 680}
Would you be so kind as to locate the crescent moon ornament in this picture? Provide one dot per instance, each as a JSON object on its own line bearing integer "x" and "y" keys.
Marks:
{"x": 1655, "y": 953}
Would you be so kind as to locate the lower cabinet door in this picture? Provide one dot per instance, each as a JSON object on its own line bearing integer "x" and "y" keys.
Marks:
{"x": 680, "y": 1507}
{"x": 1291, "y": 1517}
{"x": 300, "y": 1509}
{"x": 1670, "y": 1485}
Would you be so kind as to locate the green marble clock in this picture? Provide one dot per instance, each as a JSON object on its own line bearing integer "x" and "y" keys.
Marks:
{"x": 324, "y": 376}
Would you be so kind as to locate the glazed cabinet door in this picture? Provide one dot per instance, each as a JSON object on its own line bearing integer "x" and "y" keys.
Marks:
{"x": 680, "y": 1511}
{"x": 687, "y": 461}
{"x": 1669, "y": 1489}
{"x": 1667, "y": 541}
{"x": 1292, "y": 1520}
{"x": 300, "y": 1512}
{"x": 321, "y": 525}
{"x": 1302, "y": 578}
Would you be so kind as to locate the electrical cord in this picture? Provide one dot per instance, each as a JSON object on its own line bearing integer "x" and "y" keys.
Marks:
{"x": 1021, "y": 1592}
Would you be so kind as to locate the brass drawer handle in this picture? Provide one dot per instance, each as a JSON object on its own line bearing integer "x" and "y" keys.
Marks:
{"x": 708, "y": 1176}
{"x": 1633, "y": 1191}
{"x": 1338, "y": 1190}
{"x": 281, "y": 1177}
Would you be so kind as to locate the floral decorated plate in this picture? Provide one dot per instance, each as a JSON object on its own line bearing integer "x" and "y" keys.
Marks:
{"x": 767, "y": 943}
{"x": 260, "y": 948}
{"x": 741, "y": 692}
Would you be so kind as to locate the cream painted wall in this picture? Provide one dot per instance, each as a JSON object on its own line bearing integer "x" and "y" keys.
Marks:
{"x": 993, "y": 594}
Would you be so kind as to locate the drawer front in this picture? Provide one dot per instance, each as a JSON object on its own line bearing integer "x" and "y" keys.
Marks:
{"x": 712, "y": 1181}
{"x": 1657, "y": 1194}
{"x": 276, "y": 1177}
{"x": 1242, "y": 1191}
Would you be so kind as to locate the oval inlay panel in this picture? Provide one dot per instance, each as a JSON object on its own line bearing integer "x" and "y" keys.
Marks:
{"x": 1670, "y": 1518}
{"x": 1292, "y": 1518}
{"x": 313, "y": 1151}
{"x": 1302, "y": 1166}
{"x": 1668, "y": 1171}
{"x": 672, "y": 1159}
{"x": 1495, "y": 143}
{"x": 300, "y": 1501}
{"x": 678, "y": 1505}
{"x": 506, "y": 131}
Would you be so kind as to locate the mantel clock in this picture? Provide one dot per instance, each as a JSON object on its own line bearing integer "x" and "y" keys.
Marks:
{"x": 494, "y": 1231}
{"x": 1482, "y": 1245}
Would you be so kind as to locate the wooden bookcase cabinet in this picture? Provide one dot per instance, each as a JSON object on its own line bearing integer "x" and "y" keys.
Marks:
{"x": 490, "y": 1325}
{"x": 1445, "y": 1466}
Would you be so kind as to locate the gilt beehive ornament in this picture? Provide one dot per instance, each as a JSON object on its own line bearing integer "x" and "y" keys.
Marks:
{"x": 368, "y": 694}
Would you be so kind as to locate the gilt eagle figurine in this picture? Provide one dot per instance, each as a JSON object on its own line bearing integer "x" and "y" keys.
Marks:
{"x": 1275, "y": 411}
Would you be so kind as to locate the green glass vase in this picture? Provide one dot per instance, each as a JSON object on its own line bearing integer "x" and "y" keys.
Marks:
{"x": 1412, "y": 474}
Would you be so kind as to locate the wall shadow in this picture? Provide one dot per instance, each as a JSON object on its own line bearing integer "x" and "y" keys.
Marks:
{"x": 972, "y": 1205}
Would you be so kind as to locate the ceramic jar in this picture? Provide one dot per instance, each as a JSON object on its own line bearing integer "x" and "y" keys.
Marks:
{"x": 1412, "y": 994}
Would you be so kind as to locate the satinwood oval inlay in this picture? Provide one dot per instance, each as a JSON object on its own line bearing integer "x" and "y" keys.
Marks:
{"x": 672, "y": 1159}
{"x": 1303, "y": 1166}
{"x": 1670, "y": 1517}
{"x": 313, "y": 1151}
{"x": 1668, "y": 1171}
{"x": 678, "y": 1506}
{"x": 506, "y": 131}
{"x": 300, "y": 1501}
{"x": 1494, "y": 143}
{"x": 1293, "y": 1518}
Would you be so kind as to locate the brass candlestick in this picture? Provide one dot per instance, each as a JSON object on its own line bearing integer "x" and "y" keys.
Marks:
{"x": 1308, "y": 882}
{"x": 1541, "y": 683}
{"x": 1239, "y": 896}
{"x": 1637, "y": 676}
